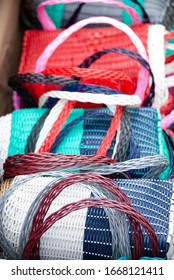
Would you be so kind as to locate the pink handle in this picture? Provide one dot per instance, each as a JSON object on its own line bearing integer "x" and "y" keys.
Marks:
{"x": 48, "y": 24}
{"x": 49, "y": 50}
{"x": 168, "y": 120}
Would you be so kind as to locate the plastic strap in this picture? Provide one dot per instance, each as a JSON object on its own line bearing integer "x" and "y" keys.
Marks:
{"x": 121, "y": 149}
{"x": 96, "y": 98}
{"x": 33, "y": 137}
{"x": 17, "y": 81}
{"x": 41, "y": 225}
{"x": 146, "y": 18}
{"x": 106, "y": 142}
{"x": 64, "y": 113}
{"x": 73, "y": 18}
{"x": 31, "y": 163}
{"x": 91, "y": 59}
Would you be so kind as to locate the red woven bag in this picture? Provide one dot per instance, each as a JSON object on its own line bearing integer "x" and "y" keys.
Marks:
{"x": 85, "y": 42}
{"x": 90, "y": 41}
{"x": 81, "y": 45}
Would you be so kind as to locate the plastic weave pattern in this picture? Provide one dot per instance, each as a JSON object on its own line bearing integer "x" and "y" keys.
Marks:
{"x": 73, "y": 227}
{"x": 85, "y": 137}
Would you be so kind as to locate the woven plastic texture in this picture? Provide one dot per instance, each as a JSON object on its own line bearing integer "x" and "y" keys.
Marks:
{"x": 73, "y": 12}
{"x": 5, "y": 186}
{"x": 160, "y": 11}
{"x": 168, "y": 18}
{"x": 86, "y": 234}
{"x": 99, "y": 39}
{"x": 90, "y": 41}
{"x": 29, "y": 14}
{"x": 31, "y": 86}
{"x": 86, "y": 136}
{"x": 157, "y": 12}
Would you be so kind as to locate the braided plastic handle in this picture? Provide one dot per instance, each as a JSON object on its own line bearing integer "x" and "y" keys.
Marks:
{"x": 39, "y": 225}
{"x": 31, "y": 250}
{"x": 49, "y": 50}
{"x": 47, "y": 23}
{"x": 30, "y": 163}
{"x": 141, "y": 81}
{"x": 97, "y": 98}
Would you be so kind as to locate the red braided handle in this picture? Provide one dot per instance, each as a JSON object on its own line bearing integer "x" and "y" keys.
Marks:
{"x": 39, "y": 226}
{"x": 30, "y": 163}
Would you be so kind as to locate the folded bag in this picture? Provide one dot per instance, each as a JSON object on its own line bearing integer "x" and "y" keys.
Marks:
{"x": 82, "y": 234}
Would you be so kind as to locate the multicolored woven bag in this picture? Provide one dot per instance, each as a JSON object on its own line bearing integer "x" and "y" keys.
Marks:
{"x": 154, "y": 11}
{"x": 86, "y": 233}
{"x": 63, "y": 15}
{"x": 108, "y": 38}
{"x": 139, "y": 134}
{"x": 32, "y": 86}
{"x": 86, "y": 171}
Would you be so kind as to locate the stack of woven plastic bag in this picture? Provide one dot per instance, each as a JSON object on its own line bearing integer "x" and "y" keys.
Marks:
{"x": 87, "y": 156}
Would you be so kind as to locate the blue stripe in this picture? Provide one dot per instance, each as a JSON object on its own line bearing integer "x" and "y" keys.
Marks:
{"x": 97, "y": 243}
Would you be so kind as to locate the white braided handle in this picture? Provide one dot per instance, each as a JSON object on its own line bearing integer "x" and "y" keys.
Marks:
{"x": 49, "y": 50}
{"x": 115, "y": 99}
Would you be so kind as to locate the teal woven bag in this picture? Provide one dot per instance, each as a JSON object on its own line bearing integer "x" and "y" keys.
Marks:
{"x": 86, "y": 135}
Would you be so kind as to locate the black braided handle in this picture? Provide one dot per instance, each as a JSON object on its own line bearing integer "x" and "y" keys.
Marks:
{"x": 16, "y": 83}
{"x": 74, "y": 16}
{"x": 33, "y": 137}
{"x": 77, "y": 11}
{"x": 124, "y": 138}
{"x": 91, "y": 59}
{"x": 146, "y": 18}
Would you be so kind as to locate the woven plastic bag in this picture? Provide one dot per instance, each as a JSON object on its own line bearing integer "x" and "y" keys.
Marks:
{"x": 63, "y": 15}
{"x": 85, "y": 39}
{"x": 30, "y": 87}
{"x": 156, "y": 11}
{"x": 81, "y": 235}
{"x": 26, "y": 130}
{"x": 133, "y": 37}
